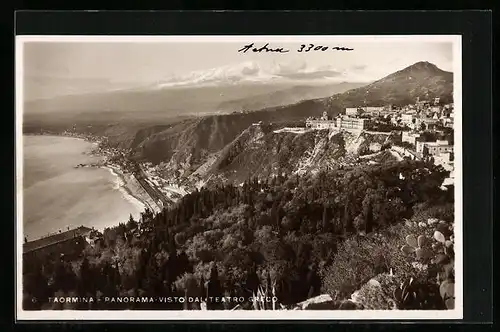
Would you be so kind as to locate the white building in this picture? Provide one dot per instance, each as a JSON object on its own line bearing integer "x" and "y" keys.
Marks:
{"x": 410, "y": 137}
{"x": 429, "y": 123}
{"x": 351, "y": 124}
{"x": 320, "y": 124}
{"x": 434, "y": 148}
{"x": 353, "y": 111}
{"x": 409, "y": 119}
{"x": 445, "y": 160}
{"x": 448, "y": 122}
{"x": 340, "y": 123}
{"x": 435, "y": 109}
{"x": 374, "y": 110}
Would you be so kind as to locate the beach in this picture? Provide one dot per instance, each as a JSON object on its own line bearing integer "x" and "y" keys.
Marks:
{"x": 131, "y": 188}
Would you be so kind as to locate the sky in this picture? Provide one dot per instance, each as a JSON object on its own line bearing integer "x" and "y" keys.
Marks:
{"x": 137, "y": 63}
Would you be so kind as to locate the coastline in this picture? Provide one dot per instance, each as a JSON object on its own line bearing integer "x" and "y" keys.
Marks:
{"x": 125, "y": 190}
{"x": 131, "y": 190}
{"x": 125, "y": 183}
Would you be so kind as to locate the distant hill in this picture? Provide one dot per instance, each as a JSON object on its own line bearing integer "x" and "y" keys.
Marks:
{"x": 287, "y": 96}
{"x": 212, "y": 133}
{"x": 422, "y": 79}
{"x": 197, "y": 139}
{"x": 157, "y": 103}
{"x": 201, "y": 136}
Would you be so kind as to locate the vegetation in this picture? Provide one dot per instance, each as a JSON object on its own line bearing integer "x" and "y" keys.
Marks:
{"x": 293, "y": 237}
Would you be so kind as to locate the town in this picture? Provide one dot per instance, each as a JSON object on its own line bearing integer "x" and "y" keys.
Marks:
{"x": 424, "y": 130}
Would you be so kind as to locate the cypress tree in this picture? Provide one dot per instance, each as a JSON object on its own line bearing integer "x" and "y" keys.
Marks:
{"x": 214, "y": 290}
{"x": 252, "y": 281}
{"x": 202, "y": 291}
{"x": 325, "y": 217}
{"x": 369, "y": 218}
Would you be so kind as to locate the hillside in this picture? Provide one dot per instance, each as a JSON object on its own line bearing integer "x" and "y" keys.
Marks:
{"x": 260, "y": 151}
{"x": 212, "y": 133}
{"x": 301, "y": 236}
{"x": 422, "y": 79}
{"x": 209, "y": 134}
{"x": 287, "y": 96}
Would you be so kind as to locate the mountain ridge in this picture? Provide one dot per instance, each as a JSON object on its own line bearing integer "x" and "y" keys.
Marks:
{"x": 201, "y": 137}
{"x": 422, "y": 80}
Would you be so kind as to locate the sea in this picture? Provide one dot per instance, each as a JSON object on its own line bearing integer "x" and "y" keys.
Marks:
{"x": 56, "y": 196}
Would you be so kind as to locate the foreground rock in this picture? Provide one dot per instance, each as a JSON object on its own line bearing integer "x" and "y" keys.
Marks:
{"x": 320, "y": 302}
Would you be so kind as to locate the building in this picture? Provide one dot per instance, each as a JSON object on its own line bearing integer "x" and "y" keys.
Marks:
{"x": 353, "y": 111}
{"x": 347, "y": 123}
{"x": 368, "y": 110}
{"x": 69, "y": 243}
{"x": 419, "y": 145}
{"x": 447, "y": 122}
{"x": 351, "y": 124}
{"x": 396, "y": 119}
{"x": 436, "y": 148}
{"x": 374, "y": 110}
{"x": 428, "y": 123}
{"x": 436, "y": 109}
{"x": 421, "y": 104}
{"x": 410, "y": 137}
{"x": 322, "y": 123}
{"x": 409, "y": 120}
{"x": 445, "y": 159}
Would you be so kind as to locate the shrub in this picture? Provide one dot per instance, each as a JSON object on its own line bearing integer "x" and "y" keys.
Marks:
{"x": 437, "y": 289}
{"x": 361, "y": 258}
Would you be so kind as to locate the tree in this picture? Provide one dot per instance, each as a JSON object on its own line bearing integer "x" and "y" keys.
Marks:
{"x": 188, "y": 285}
{"x": 85, "y": 281}
{"x": 34, "y": 287}
{"x": 368, "y": 214}
{"x": 131, "y": 223}
{"x": 214, "y": 290}
{"x": 325, "y": 217}
{"x": 64, "y": 277}
{"x": 252, "y": 281}
{"x": 202, "y": 291}
{"x": 348, "y": 217}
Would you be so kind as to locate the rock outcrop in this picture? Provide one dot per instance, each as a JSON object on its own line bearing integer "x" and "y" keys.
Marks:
{"x": 376, "y": 294}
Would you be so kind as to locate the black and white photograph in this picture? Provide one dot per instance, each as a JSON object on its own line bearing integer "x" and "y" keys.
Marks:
{"x": 239, "y": 177}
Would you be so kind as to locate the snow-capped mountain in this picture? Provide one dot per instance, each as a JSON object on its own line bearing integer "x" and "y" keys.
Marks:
{"x": 252, "y": 71}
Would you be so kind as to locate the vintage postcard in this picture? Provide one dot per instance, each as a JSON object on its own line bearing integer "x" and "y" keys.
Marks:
{"x": 239, "y": 177}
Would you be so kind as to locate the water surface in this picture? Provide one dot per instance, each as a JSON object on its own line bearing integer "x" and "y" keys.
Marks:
{"x": 57, "y": 196}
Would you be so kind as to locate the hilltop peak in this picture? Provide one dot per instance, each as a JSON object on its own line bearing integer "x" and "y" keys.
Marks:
{"x": 421, "y": 79}
{"x": 422, "y": 65}
{"x": 421, "y": 68}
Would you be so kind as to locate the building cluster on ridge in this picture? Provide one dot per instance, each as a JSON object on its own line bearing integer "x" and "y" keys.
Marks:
{"x": 425, "y": 128}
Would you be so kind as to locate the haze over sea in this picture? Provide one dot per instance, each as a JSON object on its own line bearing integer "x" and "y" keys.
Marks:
{"x": 56, "y": 195}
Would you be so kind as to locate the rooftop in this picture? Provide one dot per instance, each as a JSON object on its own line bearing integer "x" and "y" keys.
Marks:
{"x": 439, "y": 143}
{"x": 56, "y": 238}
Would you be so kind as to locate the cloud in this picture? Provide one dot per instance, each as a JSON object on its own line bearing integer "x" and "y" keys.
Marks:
{"x": 359, "y": 68}
{"x": 299, "y": 70}
{"x": 313, "y": 74}
{"x": 250, "y": 70}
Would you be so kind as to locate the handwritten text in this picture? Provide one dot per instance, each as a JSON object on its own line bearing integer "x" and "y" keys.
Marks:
{"x": 303, "y": 48}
